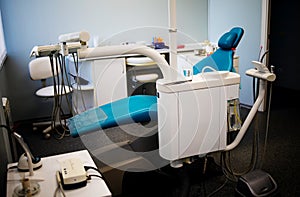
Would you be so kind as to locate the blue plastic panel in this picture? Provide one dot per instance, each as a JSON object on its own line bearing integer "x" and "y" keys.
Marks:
{"x": 138, "y": 108}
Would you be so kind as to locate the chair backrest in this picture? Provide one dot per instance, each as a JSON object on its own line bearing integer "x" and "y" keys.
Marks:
{"x": 40, "y": 68}
{"x": 222, "y": 58}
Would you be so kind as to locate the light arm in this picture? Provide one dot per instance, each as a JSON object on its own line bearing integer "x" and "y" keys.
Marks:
{"x": 169, "y": 73}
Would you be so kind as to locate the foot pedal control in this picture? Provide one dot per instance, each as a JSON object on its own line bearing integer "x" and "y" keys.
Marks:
{"x": 256, "y": 183}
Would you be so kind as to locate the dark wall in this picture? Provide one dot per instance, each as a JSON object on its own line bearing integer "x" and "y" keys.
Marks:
{"x": 284, "y": 43}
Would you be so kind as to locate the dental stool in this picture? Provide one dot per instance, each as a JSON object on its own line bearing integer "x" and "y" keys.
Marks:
{"x": 41, "y": 69}
{"x": 142, "y": 75}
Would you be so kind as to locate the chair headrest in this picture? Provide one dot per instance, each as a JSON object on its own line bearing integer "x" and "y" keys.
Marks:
{"x": 227, "y": 40}
{"x": 231, "y": 39}
{"x": 240, "y": 32}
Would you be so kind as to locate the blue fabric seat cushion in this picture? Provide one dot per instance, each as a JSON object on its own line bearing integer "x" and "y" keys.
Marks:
{"x": 137, "y": 108}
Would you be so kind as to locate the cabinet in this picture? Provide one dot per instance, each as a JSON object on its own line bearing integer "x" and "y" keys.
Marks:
{"x": 109, "y": 78}
{"x": 106, "y": 82}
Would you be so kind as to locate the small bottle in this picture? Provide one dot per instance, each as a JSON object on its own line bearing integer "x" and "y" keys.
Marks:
{"x": 209, "y": 49}
{"x": 188, "y": 73}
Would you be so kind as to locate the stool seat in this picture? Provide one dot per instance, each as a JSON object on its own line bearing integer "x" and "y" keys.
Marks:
{"x": 147, "y": 78}
{"x": 140, "y": 61}
{"x": 144, "y": 73}
{"x": 49, "y": 91}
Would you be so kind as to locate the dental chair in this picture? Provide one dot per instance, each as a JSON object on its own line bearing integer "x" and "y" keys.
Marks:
{"x": 143, "y": 109}
{"x": 222, "y": 58}
{"x": 140, "y": 108}
{"x": 42, "y": 69}
{"x": 91, "y": 124}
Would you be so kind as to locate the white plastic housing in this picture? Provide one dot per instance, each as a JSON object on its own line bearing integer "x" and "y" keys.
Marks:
{"x": 192, "y": 116}
{"x": 83, "y": 36}
{"x": 268, "y": 76}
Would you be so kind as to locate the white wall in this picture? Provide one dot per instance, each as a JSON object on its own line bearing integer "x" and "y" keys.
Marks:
{"x": 222, "y": 16}
{"x": 31, "y": 22}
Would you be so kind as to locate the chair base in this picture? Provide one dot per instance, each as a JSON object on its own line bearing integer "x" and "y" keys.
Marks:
{"x": 51, "y": 127}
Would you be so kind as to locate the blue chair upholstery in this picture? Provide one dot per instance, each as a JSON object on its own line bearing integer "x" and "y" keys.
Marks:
{"x": 137, "y": 108}
{"x": 222, "y": 58}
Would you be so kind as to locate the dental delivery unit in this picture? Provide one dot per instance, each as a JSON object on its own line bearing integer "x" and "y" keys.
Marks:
{"x": 191, "y": 113}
